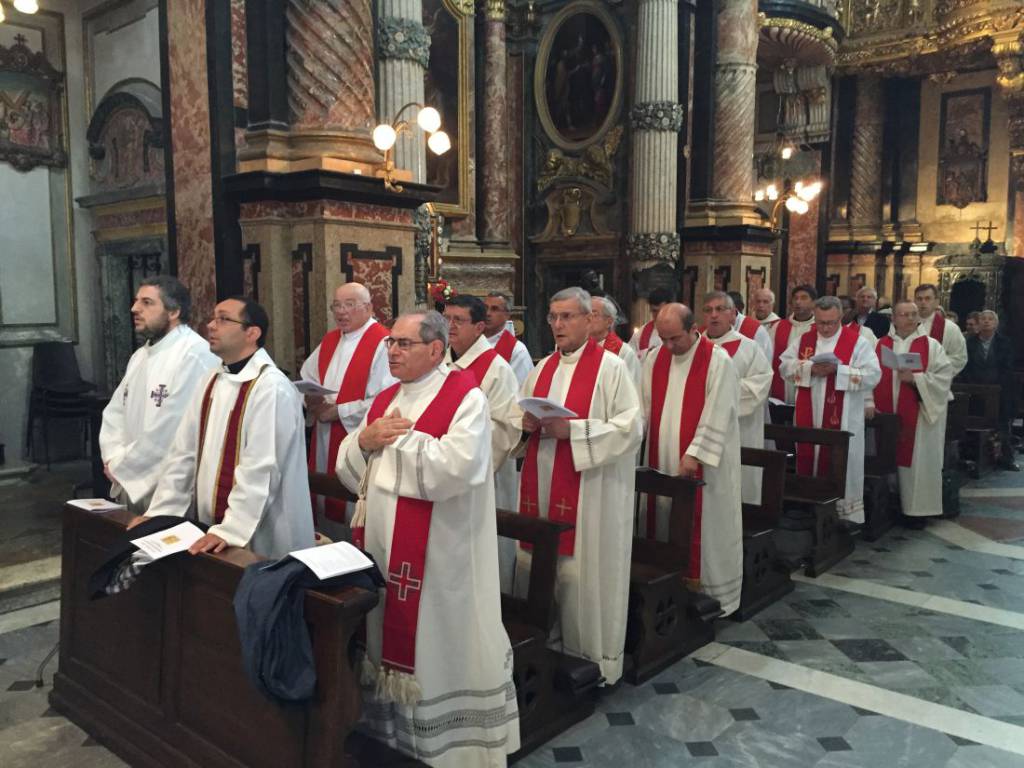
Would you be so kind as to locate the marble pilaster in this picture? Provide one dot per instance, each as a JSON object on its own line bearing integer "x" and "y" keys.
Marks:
{"x": 494, "y": 213}
{"x": 865, "y": 215}
{"x": 404, "y": 51}
{"x": 1009, "y": 55}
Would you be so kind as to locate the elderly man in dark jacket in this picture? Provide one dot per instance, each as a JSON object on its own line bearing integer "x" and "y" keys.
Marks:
{"x": 990, "y": 361}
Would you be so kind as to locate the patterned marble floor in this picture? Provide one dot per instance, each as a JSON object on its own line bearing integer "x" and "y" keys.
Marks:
{"x": 868, "y": 669}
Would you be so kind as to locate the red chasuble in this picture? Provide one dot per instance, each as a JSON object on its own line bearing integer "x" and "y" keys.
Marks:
{"x": 506, "y": 345}
{"x": 353, "y": 387}
{"x": 481, "y": 365}
{"x": 645, "y": 335}
{"x": 907, "y": 406}
{"x": 408, "y": 559}
{"x": 232, "y": 447}
{"x": 782, "y": 330}
{"x": 832, "y": 418}
{"x": 612, "y": 343}
{"x": 564, "y": 499}
{"x": 938, "y": 327}
{"x": 749, "y": 327}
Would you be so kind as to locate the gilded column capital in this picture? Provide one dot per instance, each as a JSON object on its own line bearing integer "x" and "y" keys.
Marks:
{"x": 1010, "y": 60}
{"x": 403, "y": 39}
{"x": 653, "y": 246}
{"x": 494, "y": 10}
{"x": 657, "y": 116}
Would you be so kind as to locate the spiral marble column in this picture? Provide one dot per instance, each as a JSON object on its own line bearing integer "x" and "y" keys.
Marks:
{"x": 494, "y": 213}
{"x": 866, "y": 160}
{"x": 403, "y": 45}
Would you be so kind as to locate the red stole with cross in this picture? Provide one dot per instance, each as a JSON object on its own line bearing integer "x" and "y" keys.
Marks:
{"x": 938, "y": 327}
{"x": 783, "y": 328}
{"x": 907, "y": 405}
{"x": 832, "y": 417}
{"x": 408, "y": 559}
{"x": 749, "y": 327}
{"x": 232, "y": 447}
{"x": 481, "y": 365}
{"x": 353, "y": 387}
{"x": 694, "y": 392}
{"x": 506, "y": 345}
{"x": 612, "y": 343}
{"x": 564, "y": 498}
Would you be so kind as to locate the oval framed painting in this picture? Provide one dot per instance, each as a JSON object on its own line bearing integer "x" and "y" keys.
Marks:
{"x": 577, "y": 79}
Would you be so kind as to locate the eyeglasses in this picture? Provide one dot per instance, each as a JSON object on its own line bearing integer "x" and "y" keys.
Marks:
{"x": 565, "y": 317}
{"x": 348, "y": 306}
{"x": 220, "y": 320}
{"x": 459, "y": 321}
{"x": 403, "y": 344}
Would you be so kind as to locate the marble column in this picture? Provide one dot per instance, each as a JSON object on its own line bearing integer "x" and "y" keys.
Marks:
{"x": 403, "y": 45}
{"x": 657, "y": 117}
{"x": 866, "y": 160}
{"x": 1009, "y": 55}
{"x": 494, "y": 213}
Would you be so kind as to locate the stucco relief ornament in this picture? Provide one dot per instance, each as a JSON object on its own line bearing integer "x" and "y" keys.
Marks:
{"x": 403, "y": 39}
{"x": 653, "y": 246}
{"x": 657, "y": 116}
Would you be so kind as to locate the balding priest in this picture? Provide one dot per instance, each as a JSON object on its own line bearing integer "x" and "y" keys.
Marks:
{"x": 146, "y": 408}
{"x": 437, "y": 673}
{"x": 755, "y": 379}
{"x": 831, "y": 395}
{"x": 581, "y": 470}
{"x": 352, "y": 360}
{"x": 748, "y": 326}
{"x": 691, "y": 396}
{"x": 785, "y": 333}
{"x": 920, "y": 397}
{"x": 764, "y": 307}
{"x": 512, "y": 351}
{"x": 238, "y": 458}
{"x": 647, "y": 337}
{"x": 935, "y": 324}
{"x": 604, "y": 314}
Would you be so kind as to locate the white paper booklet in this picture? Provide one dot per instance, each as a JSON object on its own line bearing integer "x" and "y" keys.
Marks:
{"x": 904, "y": 361}
{"x": 96, "y": 505}
{"x": 312, "y": 388}
{"x": 170, "y": 541}
{"x": 332, "y": 560}
{"x": 826, "y": 357}
{"x": 543, "y": 408}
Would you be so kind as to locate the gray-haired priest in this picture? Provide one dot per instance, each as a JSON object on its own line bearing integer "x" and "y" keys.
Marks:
{"x": 581, "y": 470}
{"x": 438, "y": 665}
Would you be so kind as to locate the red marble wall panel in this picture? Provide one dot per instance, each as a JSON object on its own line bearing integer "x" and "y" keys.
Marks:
{"x": 239, "y": 65}
{"x": 144, "y": 217}
{"x": 515, "y": 107}
{"x": 326, "y": 209}
{"x": 803, "y": 242}
{"x": 378, "y": 276}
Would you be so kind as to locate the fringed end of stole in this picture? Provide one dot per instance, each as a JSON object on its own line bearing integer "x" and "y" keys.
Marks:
{"x": 397, "y": 686}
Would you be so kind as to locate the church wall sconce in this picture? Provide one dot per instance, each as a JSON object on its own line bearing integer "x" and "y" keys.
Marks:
{"x": 795, "y": 196}
{"x": 386, "y": 134}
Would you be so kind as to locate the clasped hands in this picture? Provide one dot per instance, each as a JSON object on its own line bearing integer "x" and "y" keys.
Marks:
{"x": 384, "y": 431}
{"x": 822, "y": 369}
{"x": 551, "y": 427}
{"x": 320, "y": 409}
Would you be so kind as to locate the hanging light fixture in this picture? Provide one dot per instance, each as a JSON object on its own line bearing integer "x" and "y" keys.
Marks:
{"x": 386, "y": 134}
{"x": 26, "y": 6}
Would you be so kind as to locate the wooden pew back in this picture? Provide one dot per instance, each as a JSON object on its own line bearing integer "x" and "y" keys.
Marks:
{"x": 327, "y": 484}
{"x": 674, "y": 554}
{"x": 983, "y": 404}
{"x": 886, "y": 429}
{"x": 802, "y": 488}
{"x": 537, "y": 609}
{"x": 773, "y": 485}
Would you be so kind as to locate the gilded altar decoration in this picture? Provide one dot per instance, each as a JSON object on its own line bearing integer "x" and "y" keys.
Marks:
{"x": 963, "y": 148}
{"x": 31, "y": 122}
{"x": 596, "y": 163}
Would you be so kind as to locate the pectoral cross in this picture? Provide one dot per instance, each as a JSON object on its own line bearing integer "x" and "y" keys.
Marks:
{"x": 159, "y": 395}
{"x": 404, "y": 581}
{"x": 562, "y": 507}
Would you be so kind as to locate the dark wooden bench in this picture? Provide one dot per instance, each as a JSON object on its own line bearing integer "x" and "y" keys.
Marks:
{"x": 554, "y": 691}
{"x": 881, "y": 505}
{"x": 766, "y": 578}
{"x": 810, "y": 503}
{"x": 666, "y": 621}
{"x": 978, "y": 451}
{"x": 953, "y": 468}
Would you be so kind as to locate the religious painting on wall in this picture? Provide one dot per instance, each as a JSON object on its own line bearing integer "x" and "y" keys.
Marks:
{"x": 31, "y": 120}
{"x": 578, "y": 75}
{"x": 963, "y": 147}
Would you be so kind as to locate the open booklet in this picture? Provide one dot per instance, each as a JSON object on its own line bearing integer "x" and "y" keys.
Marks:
{"x": 96, "y": 505}
{"x": 901, "y": 361}
{"x": 170, "y": 541}
{"x": 826, "y": 357}
{"x": 312, "y": 388}
{"x": 543, "y": 408}
{"x": 330, "y": 560}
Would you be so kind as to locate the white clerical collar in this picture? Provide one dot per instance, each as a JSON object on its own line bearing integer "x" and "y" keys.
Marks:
{"x": 729, "y": 335}
{"x": 571, "y": 357}
{"x": 794, "y": 321}
{"x": 358, "y": 332}
{"x": 257, "y": 362}
{"x": 167, "y": 341}
{"x": 928, "y": 320}
{"x": 912, "y": 335}
{"x": 417, "y": 386}
{"x": 771, "y": 318}
{"x": 476, "y": 349}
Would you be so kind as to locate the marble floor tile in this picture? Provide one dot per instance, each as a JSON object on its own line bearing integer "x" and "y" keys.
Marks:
{"x": 684, "y": 718}
{"x": 916, "y": 648}
{"x": 991, "y": 700}
{"x": 901, "y": 676}
{"x": 812, "y": 653}
{"x": 898, "y": 744}
{"x": 759, "y": 746}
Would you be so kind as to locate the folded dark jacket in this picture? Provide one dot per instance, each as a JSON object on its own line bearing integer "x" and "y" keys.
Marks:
{"x": 277, "y": 653}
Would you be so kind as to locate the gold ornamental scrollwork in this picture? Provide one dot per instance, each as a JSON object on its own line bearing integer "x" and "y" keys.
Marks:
{"x": 494, "y": 10}
{"x": 465, "y": 7}
{"x": 596, "y": 163}
{"x": 821, "y": 35}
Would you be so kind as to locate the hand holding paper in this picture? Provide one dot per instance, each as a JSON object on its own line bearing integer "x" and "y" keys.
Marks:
{"x": 542, "y": 408}
{"x": 312, "y": 388}
{"x": 170, "y": 541}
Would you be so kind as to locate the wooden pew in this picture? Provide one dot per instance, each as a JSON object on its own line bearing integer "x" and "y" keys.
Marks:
{"x": 765, "y": 577}
{"x": 155, "y": 673}
{"x": 554, "y": 691}
{"x": 666, "y": 621}
{"x": 977, "y": 450}
{"x": 881, "y": 505}
{"x": 810, "y": 502}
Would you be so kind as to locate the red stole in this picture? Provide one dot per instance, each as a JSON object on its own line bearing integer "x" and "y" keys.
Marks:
{"x": 612, "y": 343}
{"x": 938, "y": 329}
{"x": 832, "y": 417}
{"x": 480, "y": 366}
{"x": 783, "y": 328}
{"x": 693, "y": 406}
{"x": 506, "y": 345}
{"x": 907, "y": 406}
{"x": 232, "y": 443}
{"x": 749, "y": 327}
{"x": 564, "y": 499}
{"x": 408, "y": 559}
{"x": 645, "y": 335}
{"x": 732, "y": 346}
{"x": 353, "y": 387}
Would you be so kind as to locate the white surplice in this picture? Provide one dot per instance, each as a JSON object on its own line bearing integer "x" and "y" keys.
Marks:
{"x": 268, "y": 508}
{"x": 716, "y": 445}
{"x": 921, "y": 482}
{"x": 857, "y": 380}
{"x": 467, "y": 716}
{"x": 593, "y": 584}
{"x": 349, "y": 414}
{"x": 146, "y": 408}
{"x": 655, "y": 341}
{"x": 629, "y": 356}
{"x": 953, "y": 342}
{"x": 521, "y": 361}
{"x": 769, "y": 321}
{"x": 762, "y": 338}
{"x": 800, "y": 327}
{"x": 502, "y": 392}
{"x": 755, "y": 375}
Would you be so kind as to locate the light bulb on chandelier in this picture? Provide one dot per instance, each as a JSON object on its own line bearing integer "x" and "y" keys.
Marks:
{"x": 26, "y": 6}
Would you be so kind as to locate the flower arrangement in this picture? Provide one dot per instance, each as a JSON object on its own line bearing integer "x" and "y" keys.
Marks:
{"x": 441, "y": 292}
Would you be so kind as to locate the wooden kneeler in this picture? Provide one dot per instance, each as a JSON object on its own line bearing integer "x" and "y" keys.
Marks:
{"x": 666, "y": 621}
{"x": 766, "y": 578}
{"x": 977, "y": 450}
{"x": 881, "y": 505}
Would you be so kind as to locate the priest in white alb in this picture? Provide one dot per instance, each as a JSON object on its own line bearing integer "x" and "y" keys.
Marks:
{"x": 238, "y": 459}
{"x": 603, "y": 317}
{"x": 691, "y": 399}
{"x": 763, "y": 302}
{"x": 920, "y": 397}
{"x": 749, "y": 326}
{"x": 581, "y": 471}
{"x": 831, "y": 395}
{"x": 437, "y": 670}
{"x": 755, "y": 378}
{"x": 351, "y": 360}
{"x": 146, "y": 408}
{"x": 935, "y": 324}
{"x": 785, "y": 332}
{"x": 469, "y": 350}
{"x": 512, "y": 351}
{"x": 646, "y": 336}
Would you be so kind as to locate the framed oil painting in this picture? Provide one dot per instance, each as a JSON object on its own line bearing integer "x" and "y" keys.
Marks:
{"x": 963, "y": 147}
{"x": 578, "y": 75}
